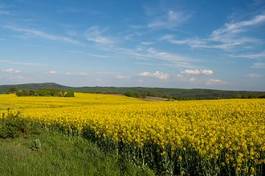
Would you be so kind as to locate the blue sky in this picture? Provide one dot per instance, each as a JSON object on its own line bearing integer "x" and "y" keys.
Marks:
{"x": 154, "y": 43}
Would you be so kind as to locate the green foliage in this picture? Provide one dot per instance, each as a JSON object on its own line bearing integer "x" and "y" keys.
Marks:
{"x": 183, "y": 94}
{"x": 27, "y": 148}
{"x": 135, "y": 94}
{"x": 12, "y": 90}
{"x": 60, "y": 155}
{"x": 36, "y": 144}
{"x": 140, "y": 92}
{"x": 69, "y": 94}
{"x": 46, "y": 92}
{"x": 12, "y": 126}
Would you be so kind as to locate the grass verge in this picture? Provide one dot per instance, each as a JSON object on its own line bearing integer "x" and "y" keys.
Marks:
{"x": 52, "y": 153}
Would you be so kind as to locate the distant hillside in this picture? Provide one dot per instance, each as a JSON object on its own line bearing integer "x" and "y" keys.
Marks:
{"x": 141, "y": 92}
{"x": 32, "y": 86}
{"x": 174, "y": 93}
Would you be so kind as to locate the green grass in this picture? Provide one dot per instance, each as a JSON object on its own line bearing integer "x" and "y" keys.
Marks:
{"x": 59, "y": 155}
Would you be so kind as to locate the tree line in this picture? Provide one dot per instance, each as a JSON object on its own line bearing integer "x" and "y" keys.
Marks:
{"x": 43, "y": 92}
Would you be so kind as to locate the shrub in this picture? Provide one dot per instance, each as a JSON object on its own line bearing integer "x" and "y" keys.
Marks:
{"x": 46, "y": 92}
{"x": 12, "y": 126}
{"x": 35, "y": 145}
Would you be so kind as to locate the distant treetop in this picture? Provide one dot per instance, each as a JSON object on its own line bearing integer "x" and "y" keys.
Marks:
{"x": 46, "y": 92}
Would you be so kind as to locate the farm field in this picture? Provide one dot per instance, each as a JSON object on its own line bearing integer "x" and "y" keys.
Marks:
{"x": 198, "y": 137}
{"x": 132, "y": 88}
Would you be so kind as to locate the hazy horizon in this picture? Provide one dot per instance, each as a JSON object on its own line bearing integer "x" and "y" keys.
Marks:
{"x": 169, "y": 44}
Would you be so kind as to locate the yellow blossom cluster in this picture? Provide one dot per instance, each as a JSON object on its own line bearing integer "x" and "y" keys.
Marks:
{"x": 228, "y": 132}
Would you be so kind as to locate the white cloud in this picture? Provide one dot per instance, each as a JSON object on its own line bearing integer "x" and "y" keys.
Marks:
{"x": 173, "y": 59}
{"x": 254, "y": 75}
{"x": 193, "y": 42}
{"x": 258, "y": 65}
{"x": 197, "y": 72}
{"x": 227, "y": 43}
{"x": 52, "y": 72}
{"x": 20, "y": 63}
{"x": 42, "y": 34}
{"x": 192, "y": 79}
{"x": 95, "y": 34}
{"x": 156, "y": 74}
{"x": 82, "y": 74}
{"x": 132, "y": 35}
{"x": 76, "y": 73}
{"x": 228, "y": 34}
{"x": 215, "y": 82}
{"x": 169, "y": 20}
{"x": 4, "y": 12}
{"x": 259, "y": 55}
{"x": 226, "y": 37}
{"x": 238, "y": 27}
{"x": 90, "y": 54}
{"x": 195, "y": 75}
{"x": 147, "y": 43}
{"x": 121, "y": 77}
{"x": 10, "y": 70}
{"x": 180, "y": 61}
{"x": 68, "y": 73}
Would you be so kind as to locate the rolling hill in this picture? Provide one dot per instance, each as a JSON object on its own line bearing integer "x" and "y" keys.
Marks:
{"x": 141, "y": 92}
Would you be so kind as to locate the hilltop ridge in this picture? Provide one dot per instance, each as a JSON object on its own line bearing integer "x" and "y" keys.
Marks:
{"x": 141, "y": 92}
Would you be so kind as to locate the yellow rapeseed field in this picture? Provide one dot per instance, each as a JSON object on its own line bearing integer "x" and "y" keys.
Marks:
{"x": 218, "y": 135}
